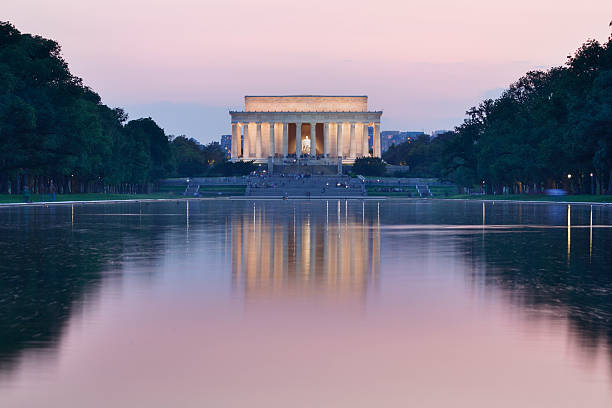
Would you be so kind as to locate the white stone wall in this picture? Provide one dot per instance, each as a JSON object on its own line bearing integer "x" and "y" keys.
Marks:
{"x": 306, "y": 103}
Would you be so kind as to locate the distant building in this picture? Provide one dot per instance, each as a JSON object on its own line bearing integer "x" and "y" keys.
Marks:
{"x": 395, "y": 137}
{"x": 436, "y": 133}
{"x": 226, "y": 145}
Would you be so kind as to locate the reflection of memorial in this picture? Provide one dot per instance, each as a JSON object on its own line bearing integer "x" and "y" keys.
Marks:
{"x": 324, "y": 251}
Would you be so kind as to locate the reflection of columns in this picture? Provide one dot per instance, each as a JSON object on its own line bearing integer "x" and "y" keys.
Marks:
{"x": 236, "y": 242}
{"x": 246, "y": 149}
{"x": 298, "y": 139}
{"x": 234, "y": 138}
{"x": 376, "y": 141}
{"x": 305, "y": 254}
{"x": 271, "y": 153}
{"x": 364, "y": 149}
{"x": 326, "y": 139}
{"x": 285, "y": 139}
{"x": 258, "y": 146}
{"x": 313, "y": 139}
{"x": 357, "y": 140}
{"x": 352, "y": 142}
{"x": 339, "y": 145}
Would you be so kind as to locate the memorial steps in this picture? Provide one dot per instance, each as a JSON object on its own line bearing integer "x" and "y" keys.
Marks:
{"x": 304, "y": 187}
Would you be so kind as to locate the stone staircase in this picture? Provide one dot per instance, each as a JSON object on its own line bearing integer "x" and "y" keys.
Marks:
{"x": 304, "y": 187}
{"x": 423, "y": 190}
{"x": 192, "y": 190}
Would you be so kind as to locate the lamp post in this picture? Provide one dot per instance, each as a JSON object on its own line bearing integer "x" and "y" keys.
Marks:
{"x": 592, "y": 185}
{"x": 569, "y": 183}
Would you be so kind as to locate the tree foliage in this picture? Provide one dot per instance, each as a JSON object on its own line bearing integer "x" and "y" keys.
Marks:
{"x": 53, "y": 127}
{"x": 369, "y": 166}
{"x": 544, "y": 127}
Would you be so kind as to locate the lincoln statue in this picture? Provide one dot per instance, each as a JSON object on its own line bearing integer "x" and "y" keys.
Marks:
{"x": 305, "y": 127}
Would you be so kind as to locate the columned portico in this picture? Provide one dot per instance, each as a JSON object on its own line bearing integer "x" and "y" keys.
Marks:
{"x": 285, "y": 148}
{"x": 339, "y": 139}
{"x": 235, "y": 140}
{"x": 343, "y": 123}
{"x": 313, "y": 139}
{"x": 326, "y": 140}
{"x": 246, "y": 142}
{"x": 352, "y": 143}
{"x": 298, "y": 139}
{"x": 364, "y": 140}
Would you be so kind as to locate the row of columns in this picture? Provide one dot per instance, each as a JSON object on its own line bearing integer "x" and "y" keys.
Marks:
{"x": 351, "y": 145}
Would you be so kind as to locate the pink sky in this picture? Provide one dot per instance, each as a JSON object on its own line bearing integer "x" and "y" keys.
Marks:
{"x": 423, "y": 62}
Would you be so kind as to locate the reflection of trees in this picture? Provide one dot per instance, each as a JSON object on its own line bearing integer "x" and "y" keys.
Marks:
{"x": 535, "y": 271}
{"x": 313, "y": 249}
{"x": 531, "y": 264}
{"x": 49, "y": 265}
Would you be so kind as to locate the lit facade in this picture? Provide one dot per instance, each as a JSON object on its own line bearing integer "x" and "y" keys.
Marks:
{"x": 325, "y": 128}
{"x": 331, "y": 253}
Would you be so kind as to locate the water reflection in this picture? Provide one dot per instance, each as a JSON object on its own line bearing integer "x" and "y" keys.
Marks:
{"x": 569, "y": 232}
{"x": 450, "y": 295}
{"x": 53, "y": 260}
{"x": 305, "y": 254}
{"x": 541, "y": 274}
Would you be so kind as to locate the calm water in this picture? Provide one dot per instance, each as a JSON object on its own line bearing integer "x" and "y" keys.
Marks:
{"x": 306, "y": 304}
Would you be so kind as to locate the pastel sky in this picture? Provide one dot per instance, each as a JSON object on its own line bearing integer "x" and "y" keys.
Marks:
{"x": 423, "y": 62}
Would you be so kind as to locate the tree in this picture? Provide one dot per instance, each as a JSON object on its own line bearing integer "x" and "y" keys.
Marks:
{"x": 54, "y": 127}
{"x": 213, "y": 152}
{"x": 369, "y": 166}
{"x": 189, "y": 157}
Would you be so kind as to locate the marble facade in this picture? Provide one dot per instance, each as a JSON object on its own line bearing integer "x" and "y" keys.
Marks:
{"x": 325, "y": 128}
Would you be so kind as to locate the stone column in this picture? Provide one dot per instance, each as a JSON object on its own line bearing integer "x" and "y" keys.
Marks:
{"x": 365, "y": 150}
{"x": 258, "y": 144}
{"x": 376, "y": 141}
{"x": 339, "y": 146}
{"x": 246, "y": 150}
{"x": 298, "y": 139}
{"x": 272, "y": 152}
{"x": 285, "y": 139}
{"x": 326, "y": 139}
{"x": 313, "y": 139}
{"x": 235, "y": 131}
{"x": 352, "y": 142}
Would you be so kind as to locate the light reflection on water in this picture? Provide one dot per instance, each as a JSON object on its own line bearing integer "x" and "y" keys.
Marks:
{"x": 306, "y": 303}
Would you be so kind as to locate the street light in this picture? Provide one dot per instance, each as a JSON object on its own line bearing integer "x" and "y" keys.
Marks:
{"x": 592, "y": 185}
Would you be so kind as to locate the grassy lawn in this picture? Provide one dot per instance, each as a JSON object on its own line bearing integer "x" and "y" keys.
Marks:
{"x": 437, "y": 191}
{"x": 539, "y": 197}
{"x": 447, "y": 192}
{"x": 205, "y": 191}
{"x": 392, "y": 194}
{"x": 18, "y": 198}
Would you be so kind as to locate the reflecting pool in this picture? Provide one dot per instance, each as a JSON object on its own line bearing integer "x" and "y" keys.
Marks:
{"x": 321, "y": 303}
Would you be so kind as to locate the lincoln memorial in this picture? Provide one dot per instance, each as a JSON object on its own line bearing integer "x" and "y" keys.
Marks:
{"x": 305, "y": 127}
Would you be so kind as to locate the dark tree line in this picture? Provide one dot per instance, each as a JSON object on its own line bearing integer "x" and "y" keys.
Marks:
{"x": 192, "y": 159}
{"x": 369, "y": 166}
{"x": 550, "y": 129}
{"x": 54, "y": 128}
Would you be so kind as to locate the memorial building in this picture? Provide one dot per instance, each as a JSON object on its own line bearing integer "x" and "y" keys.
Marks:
{"x": 317, "y": 129}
